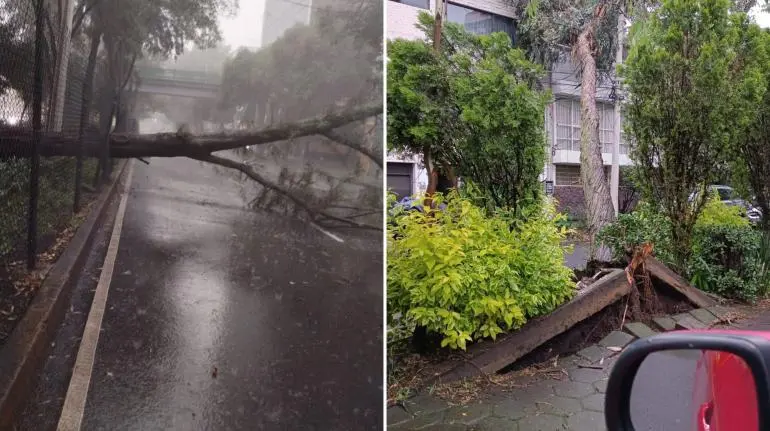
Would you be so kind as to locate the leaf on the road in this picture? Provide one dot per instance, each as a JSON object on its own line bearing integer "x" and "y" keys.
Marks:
{"x": 614, "y": 349}
{"x": 214, "y": 372}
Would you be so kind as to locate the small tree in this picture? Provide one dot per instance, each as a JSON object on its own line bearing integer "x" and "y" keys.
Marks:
{"x": 475, "y": 108}
{"x": 751, "y": 165}
{"x": 689, "y": 93}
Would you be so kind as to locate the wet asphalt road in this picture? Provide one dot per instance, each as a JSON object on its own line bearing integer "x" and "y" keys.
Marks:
{"x": 661, "y": 398}
{"x": 221, "y": 318}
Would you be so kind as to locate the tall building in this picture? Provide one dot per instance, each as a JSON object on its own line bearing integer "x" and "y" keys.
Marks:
{"x": 281, "y": 15}
{"x": 562, "y": 117}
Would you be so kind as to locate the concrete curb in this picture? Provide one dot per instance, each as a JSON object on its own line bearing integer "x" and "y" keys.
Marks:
{"x": 23, "y": 355}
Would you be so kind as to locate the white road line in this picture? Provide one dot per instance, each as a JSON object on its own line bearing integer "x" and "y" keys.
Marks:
{"x": 327, "y": 233}
{"x": 75, "y": 402}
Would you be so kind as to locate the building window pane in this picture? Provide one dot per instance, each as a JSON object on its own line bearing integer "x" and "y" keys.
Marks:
{"x": 422, "y": 4}
{"x": 568, "y": 117}
{"x": 606, "y": 126}
{"x": 568, "y": 125}
{"x": 478, "y": 22}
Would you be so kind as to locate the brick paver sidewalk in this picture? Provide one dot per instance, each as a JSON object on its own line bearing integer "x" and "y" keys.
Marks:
{"x": 574, "y": 402}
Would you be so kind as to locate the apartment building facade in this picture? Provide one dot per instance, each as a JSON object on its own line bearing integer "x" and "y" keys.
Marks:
{"x": 562, "y": 117}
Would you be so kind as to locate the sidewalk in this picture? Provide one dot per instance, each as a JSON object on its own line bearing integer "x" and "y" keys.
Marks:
{"x": 574, "y": 401}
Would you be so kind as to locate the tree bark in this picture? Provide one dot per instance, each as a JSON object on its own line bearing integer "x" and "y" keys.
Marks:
{"x": 596, "y": 190}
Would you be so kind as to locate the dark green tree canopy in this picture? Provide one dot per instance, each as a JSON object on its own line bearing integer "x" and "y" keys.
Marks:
{"x": 691, "y": 93}
{"x": 335, "y": 59}
{"x": 475, "y": 106}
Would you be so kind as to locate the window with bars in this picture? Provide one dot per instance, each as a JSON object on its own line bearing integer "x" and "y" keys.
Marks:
{"x": 569, "y": 175}
{"x": 568, "y": 126}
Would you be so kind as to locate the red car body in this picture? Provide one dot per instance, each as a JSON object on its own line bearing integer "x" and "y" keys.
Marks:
{"x": 725, "y": 395}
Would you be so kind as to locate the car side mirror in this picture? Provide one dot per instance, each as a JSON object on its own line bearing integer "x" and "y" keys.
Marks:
{"x": 691, "y": 380}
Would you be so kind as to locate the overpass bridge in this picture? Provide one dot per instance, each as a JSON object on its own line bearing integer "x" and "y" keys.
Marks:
{"x": 180, "y": 83}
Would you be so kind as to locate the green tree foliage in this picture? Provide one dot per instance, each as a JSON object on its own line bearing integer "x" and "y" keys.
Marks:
{"x": 335, "y": 59}
{"x": 690, "y": 94}
{"x": 465, "y": 274}
{"x": 751, "y": 164}
{"x": 131, "y": 29}
{"x": 644, "y": 225}
{"x": 475, "y": 107}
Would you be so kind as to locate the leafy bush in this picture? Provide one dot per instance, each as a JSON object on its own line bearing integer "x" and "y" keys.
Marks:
{"x": 643, "y": 225}
{"x": 718, "y": 213}
{"x": 465, "y": 274}
{"x": 728, "y": 260}
{"x": 728, "y": 256}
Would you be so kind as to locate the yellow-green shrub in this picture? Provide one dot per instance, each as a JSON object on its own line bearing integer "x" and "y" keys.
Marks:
{"x": 467, "y": 275}
{"x": 718, "y": 213}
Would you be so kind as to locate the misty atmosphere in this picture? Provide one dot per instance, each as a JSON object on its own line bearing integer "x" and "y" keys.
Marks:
{"x": 325, "y": 61}
{"x": 191, "y": 214}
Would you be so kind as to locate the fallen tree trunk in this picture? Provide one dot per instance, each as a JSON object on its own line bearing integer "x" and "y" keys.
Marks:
{"x": 596, "y": 297}
{"x": 17, "y": 143}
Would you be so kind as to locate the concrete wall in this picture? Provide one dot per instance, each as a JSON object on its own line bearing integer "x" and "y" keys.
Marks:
{"x": 401, "y": 21}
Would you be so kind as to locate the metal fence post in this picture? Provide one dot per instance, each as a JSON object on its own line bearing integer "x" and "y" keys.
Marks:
{"x": 37, "y": 124}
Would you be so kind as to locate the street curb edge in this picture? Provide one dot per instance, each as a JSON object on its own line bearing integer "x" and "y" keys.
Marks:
{"x": 23, "y": 355}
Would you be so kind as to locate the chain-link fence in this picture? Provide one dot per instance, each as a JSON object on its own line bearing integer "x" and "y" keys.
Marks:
{"x": 47, "y": 113}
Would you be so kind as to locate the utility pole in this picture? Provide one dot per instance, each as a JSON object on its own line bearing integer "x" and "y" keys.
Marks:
{"x": 615, "y": 171}
{"x": 437, "y": 26}
{"x": 430, "y": 166}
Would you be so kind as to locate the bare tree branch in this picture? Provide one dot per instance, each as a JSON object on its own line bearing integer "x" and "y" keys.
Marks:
{"x": 251, "y": 173}
{"x": 343, "y": 140}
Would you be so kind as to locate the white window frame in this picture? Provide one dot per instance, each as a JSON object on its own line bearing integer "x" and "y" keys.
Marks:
{"x": 568, "y": 130}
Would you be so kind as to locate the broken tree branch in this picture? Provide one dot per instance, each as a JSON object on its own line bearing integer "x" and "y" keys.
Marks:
{"x": 251, "y": 173}
{"x": 19, "y": 143}
{"x": 343, "y": 140}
